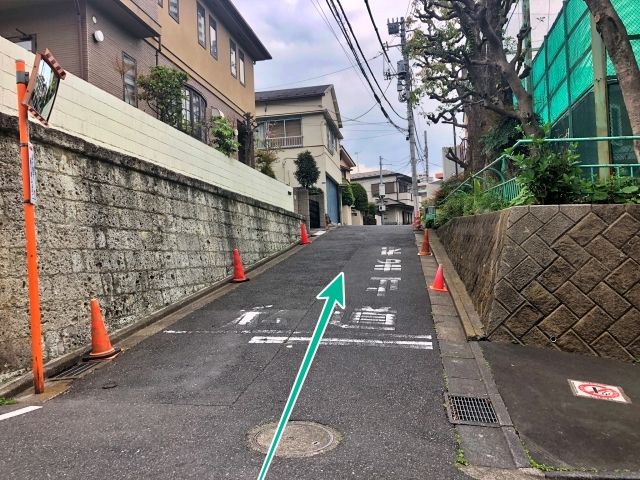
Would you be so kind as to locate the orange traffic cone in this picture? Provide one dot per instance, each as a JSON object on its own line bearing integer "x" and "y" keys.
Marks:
{"x": 416, "y": 223}
{"x": 438, "y": 282}
{"x": 424, "y": 249}
{"x": 304, "y": 238}
{"x": 238, "y": 268}
{"x": 101, "y": 347}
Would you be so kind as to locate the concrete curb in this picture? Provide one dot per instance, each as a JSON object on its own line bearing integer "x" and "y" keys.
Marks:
{"x": 25, "y": 381}
{"x": 594, "y": 475}
{"x": 464, "y": 305}
{"x": 467, "y": 372}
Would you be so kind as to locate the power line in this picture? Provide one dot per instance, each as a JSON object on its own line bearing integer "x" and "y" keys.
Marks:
{"x": 355, "y": 38}
{"x": 319, "y": 76}
{"x": 318, "y": 7}
{"x": 375, "y": 27}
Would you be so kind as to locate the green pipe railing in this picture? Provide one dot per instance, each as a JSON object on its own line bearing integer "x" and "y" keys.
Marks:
{"x": 510, "y": 189}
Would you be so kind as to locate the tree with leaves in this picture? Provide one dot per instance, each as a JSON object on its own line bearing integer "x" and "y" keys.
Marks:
{"x": 347, "y": 194}
{"x": 466, "y": 63}
{"x": 223, "y": 137}
{"x": 163, "y": 90}
{"x": 361, "y": 199}
{"x": 616, "y": 40}
{"x": 265, "y": 160}
{"x": 307, "y": 172}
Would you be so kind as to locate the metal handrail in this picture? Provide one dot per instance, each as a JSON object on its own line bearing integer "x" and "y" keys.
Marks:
{"x": 526, "y": 141}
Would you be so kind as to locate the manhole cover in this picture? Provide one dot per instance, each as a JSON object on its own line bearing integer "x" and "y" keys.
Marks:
{"x": 300, "y": 439}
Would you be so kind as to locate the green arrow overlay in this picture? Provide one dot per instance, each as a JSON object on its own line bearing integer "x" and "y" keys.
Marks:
{"x": 333, "y": 294}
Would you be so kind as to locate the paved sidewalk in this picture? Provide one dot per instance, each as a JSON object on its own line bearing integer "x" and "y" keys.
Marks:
{"x": 562, "y": 435}
{"x": 558, "y": 428}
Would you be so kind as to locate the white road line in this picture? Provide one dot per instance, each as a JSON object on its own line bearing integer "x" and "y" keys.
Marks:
{"x": 265, "y": 332}
{"x": 20, "y": 411}
{"x": 366, "y": 342}
{"x": 246, "y": 317}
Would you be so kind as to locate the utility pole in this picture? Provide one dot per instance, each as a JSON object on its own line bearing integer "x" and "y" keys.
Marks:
{"x": 426, "y": 156}
{"x": 381, "y": 194}
{"x": 398, "y": 27}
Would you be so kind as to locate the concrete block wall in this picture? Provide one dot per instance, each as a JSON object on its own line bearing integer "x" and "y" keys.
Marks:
{"x": 85, "y": 111}
{"x": 136, "y": 236}
{"x": 564, "y": 277}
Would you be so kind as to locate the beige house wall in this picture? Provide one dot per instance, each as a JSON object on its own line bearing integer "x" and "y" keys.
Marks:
{"x": 314, "y": 137}
{"x": 180, "y": 45}
{"x": 88, "y": 112}
{"x": 66, "y": 27}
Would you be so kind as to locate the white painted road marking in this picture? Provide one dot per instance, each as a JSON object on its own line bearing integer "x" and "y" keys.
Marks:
{"x": 389, "y": 265}
{"x": 365, "y": 342}
{"x": 392, "y": 282}
{"x": 264, "y": 332}
{"x": 20, "y": 411}
{"x": 246, "y": 317}
{"x": 374, "y": 316}
{"x": 390, "y": 251}
{"x": 367, "y": 318}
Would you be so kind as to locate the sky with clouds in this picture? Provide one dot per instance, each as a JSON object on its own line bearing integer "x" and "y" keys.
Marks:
{"x": 303, "y": 47}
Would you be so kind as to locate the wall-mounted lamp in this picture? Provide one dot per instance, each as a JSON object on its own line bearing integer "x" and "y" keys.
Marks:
{"x": 98, "y": 36}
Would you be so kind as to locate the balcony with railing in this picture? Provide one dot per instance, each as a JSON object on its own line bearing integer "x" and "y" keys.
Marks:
{"x": 280, "y": 142}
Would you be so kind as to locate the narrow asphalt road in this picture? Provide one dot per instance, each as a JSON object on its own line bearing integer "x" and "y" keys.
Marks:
{"x": 180, "y": 403}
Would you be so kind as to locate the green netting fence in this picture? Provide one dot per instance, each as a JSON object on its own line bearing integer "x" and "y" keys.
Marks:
{"x": 562, "y": 71}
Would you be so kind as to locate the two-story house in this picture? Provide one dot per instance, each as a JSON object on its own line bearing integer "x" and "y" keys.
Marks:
{"x": 294, "y": 120}
{"x": 398, "y": 199}
{"x": 110, "y": 42}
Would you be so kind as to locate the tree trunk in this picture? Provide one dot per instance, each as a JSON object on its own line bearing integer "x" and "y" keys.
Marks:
{"x": 616, "y": 40}
{"x": 479, "y": 122}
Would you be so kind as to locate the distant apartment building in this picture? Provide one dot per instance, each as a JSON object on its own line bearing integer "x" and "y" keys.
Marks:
{"x": 306, "y": 118}
{"x": 398, "y": 199}
{"x": 109, "y": 43}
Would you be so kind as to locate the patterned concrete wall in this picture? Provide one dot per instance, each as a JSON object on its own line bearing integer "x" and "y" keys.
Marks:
{"x": 134, "y": 235}
{"x": 565, "y": 277}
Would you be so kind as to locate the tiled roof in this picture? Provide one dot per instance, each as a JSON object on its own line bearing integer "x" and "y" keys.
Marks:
{"x": 374, "y": 174}
{"x": 291, "y": 93}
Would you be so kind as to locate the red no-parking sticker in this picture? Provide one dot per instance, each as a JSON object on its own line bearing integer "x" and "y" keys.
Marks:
{"x": 599, "y": 391}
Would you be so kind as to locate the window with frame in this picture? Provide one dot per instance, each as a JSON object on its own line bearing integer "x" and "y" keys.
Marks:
{"x": 194, "y": 107}
{"x": 174, "y": 9}
{"x": 233, "y": 58}
{"x": 332, "y": 141}
{"x": 241, "y": 66}
{"x": 403, "y": 187}
{"x": 213, "y": 37}
{"x": 129, "y": 79}
{"x": 202, "y": 33}
{"x": 286, "y": 133}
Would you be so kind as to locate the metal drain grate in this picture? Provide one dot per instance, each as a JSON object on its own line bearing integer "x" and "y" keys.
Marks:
{"x": 74, "y": 372}
{"x": 471, "y": 410}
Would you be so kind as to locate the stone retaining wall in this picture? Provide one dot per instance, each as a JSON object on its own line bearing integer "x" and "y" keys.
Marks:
{"x": 565, "y": 277}
{"x": 135, "y": 235}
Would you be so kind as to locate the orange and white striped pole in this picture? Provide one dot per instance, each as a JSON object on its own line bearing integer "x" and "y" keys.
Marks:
{"x": 30, "y": 231}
